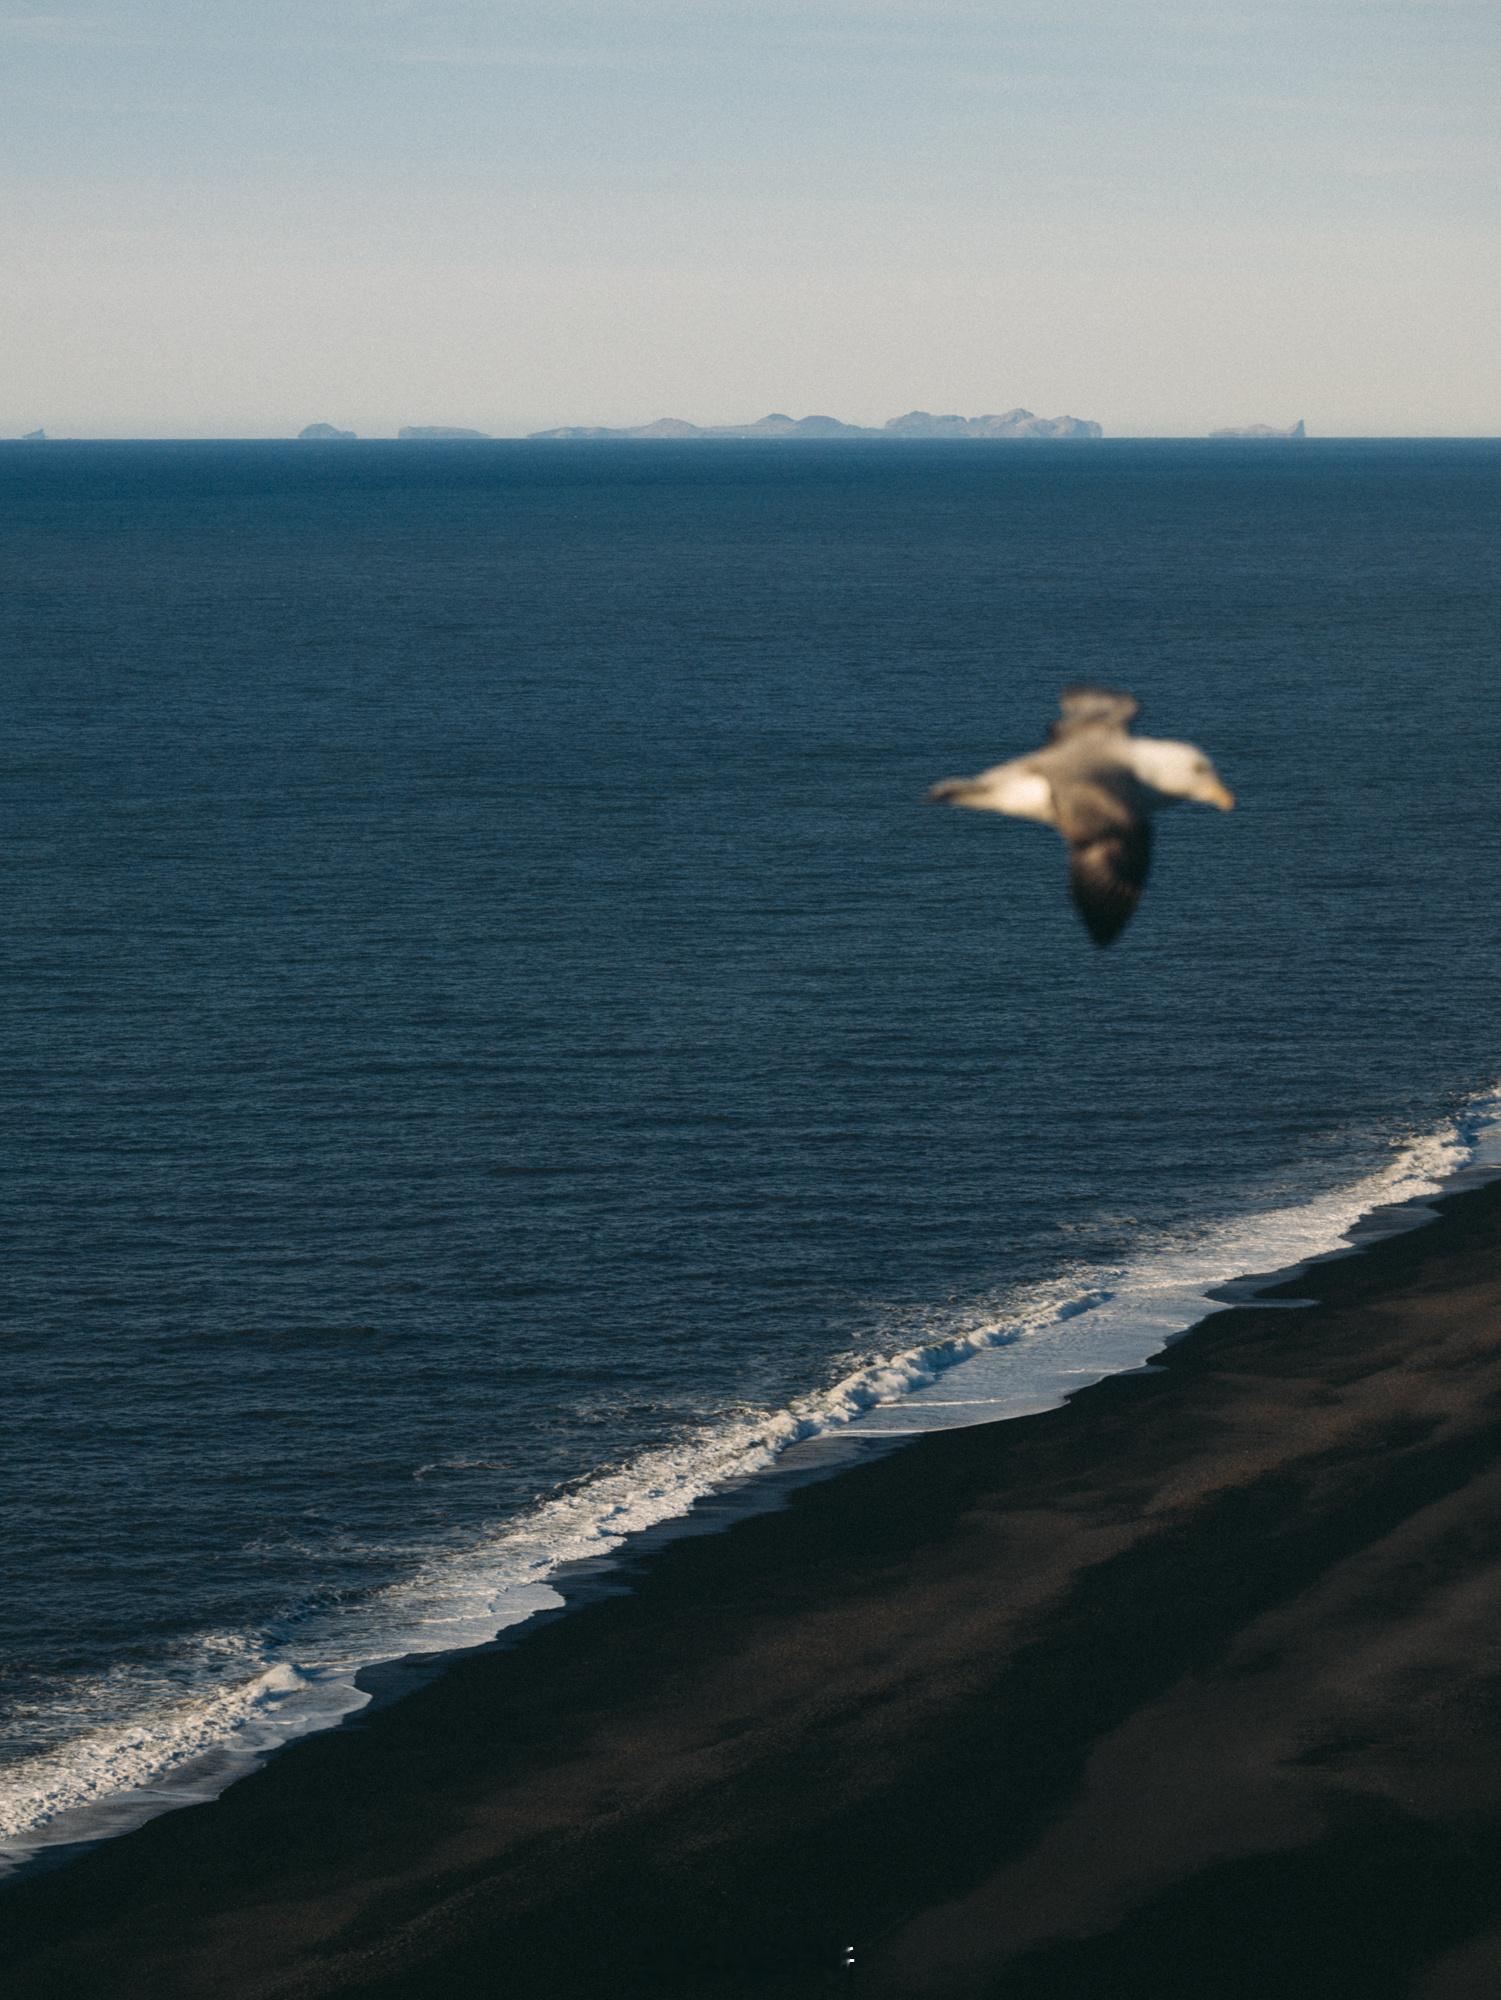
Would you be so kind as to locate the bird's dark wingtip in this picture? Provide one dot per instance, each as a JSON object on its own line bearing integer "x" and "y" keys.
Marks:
{"x": 1106, "y": 876}
{"x": 1103, "y": 934}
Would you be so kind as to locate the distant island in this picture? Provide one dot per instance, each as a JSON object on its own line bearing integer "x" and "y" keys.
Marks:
{"x": 324, "y": 434}
{"x": 445, "y": 431}
{"x": 1015, "y": 424}
{"x": 1264, "y": 431}
{"x": 31, "y": 437}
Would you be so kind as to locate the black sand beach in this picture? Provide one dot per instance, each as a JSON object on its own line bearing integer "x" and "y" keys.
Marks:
{"x": 1192, "y": 1687}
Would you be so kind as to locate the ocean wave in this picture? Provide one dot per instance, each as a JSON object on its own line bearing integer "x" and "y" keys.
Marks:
{"x": 113, "y": 1777}
{"x": 1023, "y": 1350}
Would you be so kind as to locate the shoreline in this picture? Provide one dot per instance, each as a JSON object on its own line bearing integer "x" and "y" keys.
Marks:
{"x": 1183, "y": 1687}
{"x": 1025, "y": 1358}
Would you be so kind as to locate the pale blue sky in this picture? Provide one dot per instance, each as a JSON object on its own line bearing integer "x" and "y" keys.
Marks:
{"x": 229, "y": 220}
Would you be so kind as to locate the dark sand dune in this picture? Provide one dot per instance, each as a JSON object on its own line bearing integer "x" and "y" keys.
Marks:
{"x": 1190, "y": 1689}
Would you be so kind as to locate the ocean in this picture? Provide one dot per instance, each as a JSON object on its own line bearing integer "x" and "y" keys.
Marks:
{"x": 497, "y": 1046}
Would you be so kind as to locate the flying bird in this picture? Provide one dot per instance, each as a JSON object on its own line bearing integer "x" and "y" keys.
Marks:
{"x": 1099, "y": 786}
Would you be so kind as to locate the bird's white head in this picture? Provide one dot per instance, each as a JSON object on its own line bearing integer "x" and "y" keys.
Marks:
{"x": 1179, "y": 771}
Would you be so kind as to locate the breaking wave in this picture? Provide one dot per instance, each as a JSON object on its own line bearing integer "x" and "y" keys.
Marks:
{"x": 1021, "y": 1351}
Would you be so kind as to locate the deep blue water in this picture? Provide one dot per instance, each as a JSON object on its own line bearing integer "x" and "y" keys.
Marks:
{"x": 486, "y": 998}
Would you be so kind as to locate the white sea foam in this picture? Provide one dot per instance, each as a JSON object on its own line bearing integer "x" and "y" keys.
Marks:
{"x": 1022, "y": 1351}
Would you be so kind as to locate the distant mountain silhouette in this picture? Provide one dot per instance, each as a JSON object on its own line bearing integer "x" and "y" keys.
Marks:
{"x": 916, "y": 424}
{"x": 323, "y": 434}
{"x": 444, "y": 431}
{"x": 1014, "y": 424}
{"x": 1264, "y": 431}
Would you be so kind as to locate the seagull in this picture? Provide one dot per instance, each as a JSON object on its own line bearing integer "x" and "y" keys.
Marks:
{"x": 1099, "y": 786}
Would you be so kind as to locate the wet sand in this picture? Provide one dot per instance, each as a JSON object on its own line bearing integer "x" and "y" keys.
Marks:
{"x": 1192, "y": 1687}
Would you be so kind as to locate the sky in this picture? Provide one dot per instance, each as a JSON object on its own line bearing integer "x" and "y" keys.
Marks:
{"x": 232, "y": 219}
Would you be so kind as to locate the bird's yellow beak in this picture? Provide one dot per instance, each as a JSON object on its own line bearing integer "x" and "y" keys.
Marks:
{"x": 1219, "y": 795}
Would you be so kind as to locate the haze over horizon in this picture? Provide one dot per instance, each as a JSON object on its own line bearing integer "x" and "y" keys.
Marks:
{"x": 234, "y": 222}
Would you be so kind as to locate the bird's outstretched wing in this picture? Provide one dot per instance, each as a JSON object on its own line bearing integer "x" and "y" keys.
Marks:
{"x": 1109, "y": 839}
{"x": 1085, "y": 706}
{"x": 1106, "y": 875}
